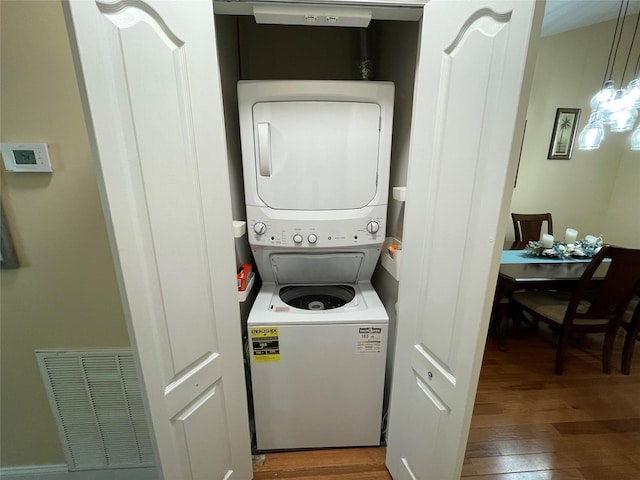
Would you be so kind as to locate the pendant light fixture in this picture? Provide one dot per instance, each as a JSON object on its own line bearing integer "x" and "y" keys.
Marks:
{"x": 635, "y": 139}
{"x": 633, "y": 92}
{"x": 614, "y": 108}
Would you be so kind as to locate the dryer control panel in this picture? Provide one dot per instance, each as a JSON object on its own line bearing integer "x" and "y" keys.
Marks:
{"x": 314, "y": 231}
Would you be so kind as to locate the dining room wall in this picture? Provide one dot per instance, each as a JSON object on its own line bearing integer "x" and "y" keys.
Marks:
{"x": 596, "y": 192}
{"x": 64, "y": 294}
{"x": 623, "y": 218}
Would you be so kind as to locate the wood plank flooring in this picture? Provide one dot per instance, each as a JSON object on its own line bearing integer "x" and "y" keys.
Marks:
{"x": 528, "y": 424}
{"x": 331, "y": 464}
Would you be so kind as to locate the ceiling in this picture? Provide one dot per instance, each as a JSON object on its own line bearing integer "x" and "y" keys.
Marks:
{"x": 563, "y": 15}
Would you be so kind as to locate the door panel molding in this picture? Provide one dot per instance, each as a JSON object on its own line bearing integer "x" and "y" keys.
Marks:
{"x": 148, "y": 77}
{"x": 471, "y": 76}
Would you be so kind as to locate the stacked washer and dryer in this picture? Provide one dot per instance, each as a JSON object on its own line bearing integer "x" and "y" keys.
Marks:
{"x": 316, "y": 158}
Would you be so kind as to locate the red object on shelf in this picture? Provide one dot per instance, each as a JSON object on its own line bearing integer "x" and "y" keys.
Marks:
{"x": 391, "y": 249}
{"x": 244, "y": 272}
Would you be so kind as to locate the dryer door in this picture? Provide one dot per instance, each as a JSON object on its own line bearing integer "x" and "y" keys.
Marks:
{"x": 315, "y": 155}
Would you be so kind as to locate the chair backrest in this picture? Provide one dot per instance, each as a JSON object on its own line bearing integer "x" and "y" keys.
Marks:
{"x": 528, "y": 226}
{"x": 613, "y": 294}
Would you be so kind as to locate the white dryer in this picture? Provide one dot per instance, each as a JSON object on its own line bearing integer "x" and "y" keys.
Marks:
{"x": 315, "y": 158}
{"x": 316, "y": 167}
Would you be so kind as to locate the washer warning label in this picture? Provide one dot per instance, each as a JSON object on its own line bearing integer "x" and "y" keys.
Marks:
{"x": 369, "y": 340}
{"x": 265, "y": 344}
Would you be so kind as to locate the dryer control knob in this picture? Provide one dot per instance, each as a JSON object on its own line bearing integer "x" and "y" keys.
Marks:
{"x": 373, "y": 227}
{"x": 297, "y": 238}
{"x": 312, "y": 238}
{"x": 260, "y": 228}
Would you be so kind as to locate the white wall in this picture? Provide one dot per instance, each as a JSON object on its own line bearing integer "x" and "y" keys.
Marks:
{"x": 64, "y": 295}
{"x": 623, "y": 217}
{"x": 596, "y": 192}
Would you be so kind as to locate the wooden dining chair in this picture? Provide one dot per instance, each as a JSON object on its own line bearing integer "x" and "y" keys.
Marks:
{"x": 528, "y": 226}
{"x": 631, "y": 323}
{"x": 587, "y": 310}
{"x": 497, "y": 321}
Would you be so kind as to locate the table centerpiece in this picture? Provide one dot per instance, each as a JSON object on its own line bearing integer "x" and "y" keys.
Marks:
{"x": 585, "y": 248}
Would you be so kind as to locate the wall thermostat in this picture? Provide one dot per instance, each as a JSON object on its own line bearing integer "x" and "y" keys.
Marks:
{"x": 26, "y": 157}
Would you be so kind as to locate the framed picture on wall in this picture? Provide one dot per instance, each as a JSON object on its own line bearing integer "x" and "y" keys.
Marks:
{"x": 8, "y": 258}
{"x": 564, "y": 131}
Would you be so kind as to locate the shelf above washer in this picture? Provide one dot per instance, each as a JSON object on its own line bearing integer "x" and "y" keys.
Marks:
{"x": 399, "y": 193}
{"x": 242, "y": 295}
{"x": 392, "y": 263}
{"x": 239, "y": 228}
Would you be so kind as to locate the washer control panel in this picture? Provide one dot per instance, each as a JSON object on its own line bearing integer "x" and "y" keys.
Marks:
{"x": 318, "y": 233}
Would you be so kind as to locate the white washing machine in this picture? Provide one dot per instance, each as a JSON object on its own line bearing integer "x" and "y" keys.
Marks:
{"x": 316, "y": 167}
{"x": 317, "y": 375}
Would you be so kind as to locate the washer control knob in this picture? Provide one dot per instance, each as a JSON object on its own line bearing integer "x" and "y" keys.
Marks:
{"x": 373, "y": 227}
{"x": 297, "y": 238}
{"x": 312, "y": 238}
{"x": 260, "y": 228}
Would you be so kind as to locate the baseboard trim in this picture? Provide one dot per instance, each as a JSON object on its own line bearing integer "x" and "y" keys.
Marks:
{"x": 60, "y": 472}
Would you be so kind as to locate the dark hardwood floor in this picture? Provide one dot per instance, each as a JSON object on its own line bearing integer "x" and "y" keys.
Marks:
{"x": 528, "y": 424}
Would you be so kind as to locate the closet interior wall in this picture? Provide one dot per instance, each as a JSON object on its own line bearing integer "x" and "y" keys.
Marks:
{"x": 251, "y": 51}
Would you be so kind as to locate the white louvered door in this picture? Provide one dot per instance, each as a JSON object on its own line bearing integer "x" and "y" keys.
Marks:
{"x": 151, "y": 90}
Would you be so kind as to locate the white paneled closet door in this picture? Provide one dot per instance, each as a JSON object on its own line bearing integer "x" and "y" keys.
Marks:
{"x": 149, "y": 77}
{"x": 470, "y": 97}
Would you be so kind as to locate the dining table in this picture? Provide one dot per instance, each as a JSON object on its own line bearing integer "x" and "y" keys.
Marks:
{"x": 520, "y": 270}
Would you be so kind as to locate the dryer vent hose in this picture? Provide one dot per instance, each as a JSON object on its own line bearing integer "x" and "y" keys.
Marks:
{"x": 365, "y": 66}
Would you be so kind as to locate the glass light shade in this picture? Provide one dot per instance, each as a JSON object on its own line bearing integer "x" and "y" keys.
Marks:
{"x": 614, "y": 105}
{"x": 603, "y": 96}
{"x": 623, "y": 120}
{"x": 632, "y": 93}
{"x": 591, "y": 136}
{"x": 635, "y": 139}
